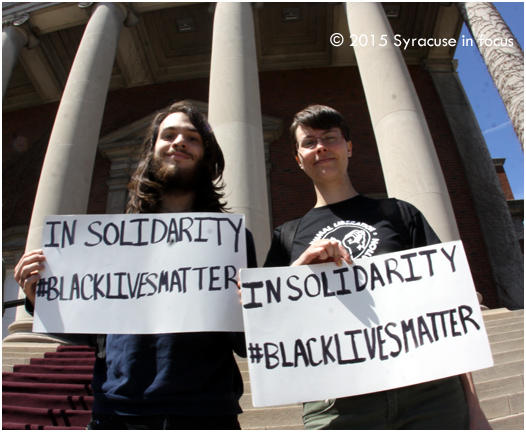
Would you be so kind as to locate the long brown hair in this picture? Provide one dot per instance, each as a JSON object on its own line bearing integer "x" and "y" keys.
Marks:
{"x": 145, "y": 191}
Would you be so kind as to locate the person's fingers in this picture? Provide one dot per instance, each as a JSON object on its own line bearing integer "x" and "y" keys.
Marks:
{"x": 335, "y": 251}
{"x": 28, "y": 264}
{"x": 322, "y": 251}
{"x": 28, "y": 271}
{"x": 345, "y": 254}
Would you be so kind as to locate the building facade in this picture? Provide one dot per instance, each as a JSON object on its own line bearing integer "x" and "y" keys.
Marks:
{"x": 81, "y": 82}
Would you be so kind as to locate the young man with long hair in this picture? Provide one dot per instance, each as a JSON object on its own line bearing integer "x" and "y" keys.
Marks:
{"x": 176, "y": 380}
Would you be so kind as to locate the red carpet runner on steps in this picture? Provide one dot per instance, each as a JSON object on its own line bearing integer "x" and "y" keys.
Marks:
{"x": 53, "y": 392}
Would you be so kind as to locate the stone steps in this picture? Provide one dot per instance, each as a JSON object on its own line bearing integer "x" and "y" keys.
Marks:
{"x": 286, "y": 417}
{"x": 513, "y": 422}
{"x": 20, "y": 353}
{"x": 500, "y": 388}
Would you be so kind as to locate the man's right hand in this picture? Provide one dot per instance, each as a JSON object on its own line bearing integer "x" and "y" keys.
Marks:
{"x": 27, "y": 272}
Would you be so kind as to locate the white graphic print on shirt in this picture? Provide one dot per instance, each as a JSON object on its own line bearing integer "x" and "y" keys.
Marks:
{"x": 357, "y": 237}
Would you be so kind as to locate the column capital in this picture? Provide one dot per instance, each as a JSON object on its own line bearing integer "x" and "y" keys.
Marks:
{"x": 20, "y": 24}
{"x": 130, "y": 18}
{"x": 255, "y": 6}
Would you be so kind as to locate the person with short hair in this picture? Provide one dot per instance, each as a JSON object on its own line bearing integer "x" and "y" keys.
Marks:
{"x": 337, "y": 229}
{"x": 175, "y": 380}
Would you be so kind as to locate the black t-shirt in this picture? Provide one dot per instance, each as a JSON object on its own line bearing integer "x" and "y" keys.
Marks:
{"x": 365, "y": 226}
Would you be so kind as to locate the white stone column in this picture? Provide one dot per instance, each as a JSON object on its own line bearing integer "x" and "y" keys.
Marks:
{"x": 235, "y": 115}
{"x": 65, "y": 179}
{"x": 13, "y": 40}
{"x": 409, "y": 161}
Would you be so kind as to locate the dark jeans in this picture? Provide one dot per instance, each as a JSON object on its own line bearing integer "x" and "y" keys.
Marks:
{"x": 435, "y": 405}
{"x": 163, "y": 422}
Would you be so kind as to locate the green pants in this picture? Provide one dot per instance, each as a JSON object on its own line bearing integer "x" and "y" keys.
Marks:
{"x": 437, "y": 404}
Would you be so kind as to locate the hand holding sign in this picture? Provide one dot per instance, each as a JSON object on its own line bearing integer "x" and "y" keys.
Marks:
{"x": 27, "y": 272}
{"x": 323, "y": 251}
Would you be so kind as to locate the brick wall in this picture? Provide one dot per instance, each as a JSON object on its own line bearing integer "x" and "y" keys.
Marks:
{"x": 25, "y": 134}
{"x": 504, "y": 182}
{"x": 283, "y": 93}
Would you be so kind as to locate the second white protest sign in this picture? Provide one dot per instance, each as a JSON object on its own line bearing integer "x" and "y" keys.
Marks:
{"x": 323, "y": 331}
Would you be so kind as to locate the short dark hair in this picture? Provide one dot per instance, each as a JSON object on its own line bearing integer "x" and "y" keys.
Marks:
{"x": 145, "y": 190}
{"x": 318, "y": 117}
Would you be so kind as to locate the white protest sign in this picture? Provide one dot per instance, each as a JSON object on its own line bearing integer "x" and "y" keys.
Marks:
{"x": 322, "y": 331}
{"x": 141, "y": 273}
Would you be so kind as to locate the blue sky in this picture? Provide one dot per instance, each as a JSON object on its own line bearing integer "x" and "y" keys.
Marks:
{"x": 486, "y": 102}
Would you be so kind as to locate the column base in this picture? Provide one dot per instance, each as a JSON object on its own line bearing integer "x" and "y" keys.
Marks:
{"x": 22, "y": 331}
{"x": 28, "y": 337}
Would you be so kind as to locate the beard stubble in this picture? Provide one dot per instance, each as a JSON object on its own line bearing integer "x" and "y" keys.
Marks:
{"x": 175, "y": 179}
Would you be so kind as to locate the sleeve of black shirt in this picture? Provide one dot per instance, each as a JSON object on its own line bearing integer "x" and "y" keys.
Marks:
{"x": 252, "y": 261}
{"x": 276, "y": 256}
{"x": 420, "y": 231}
